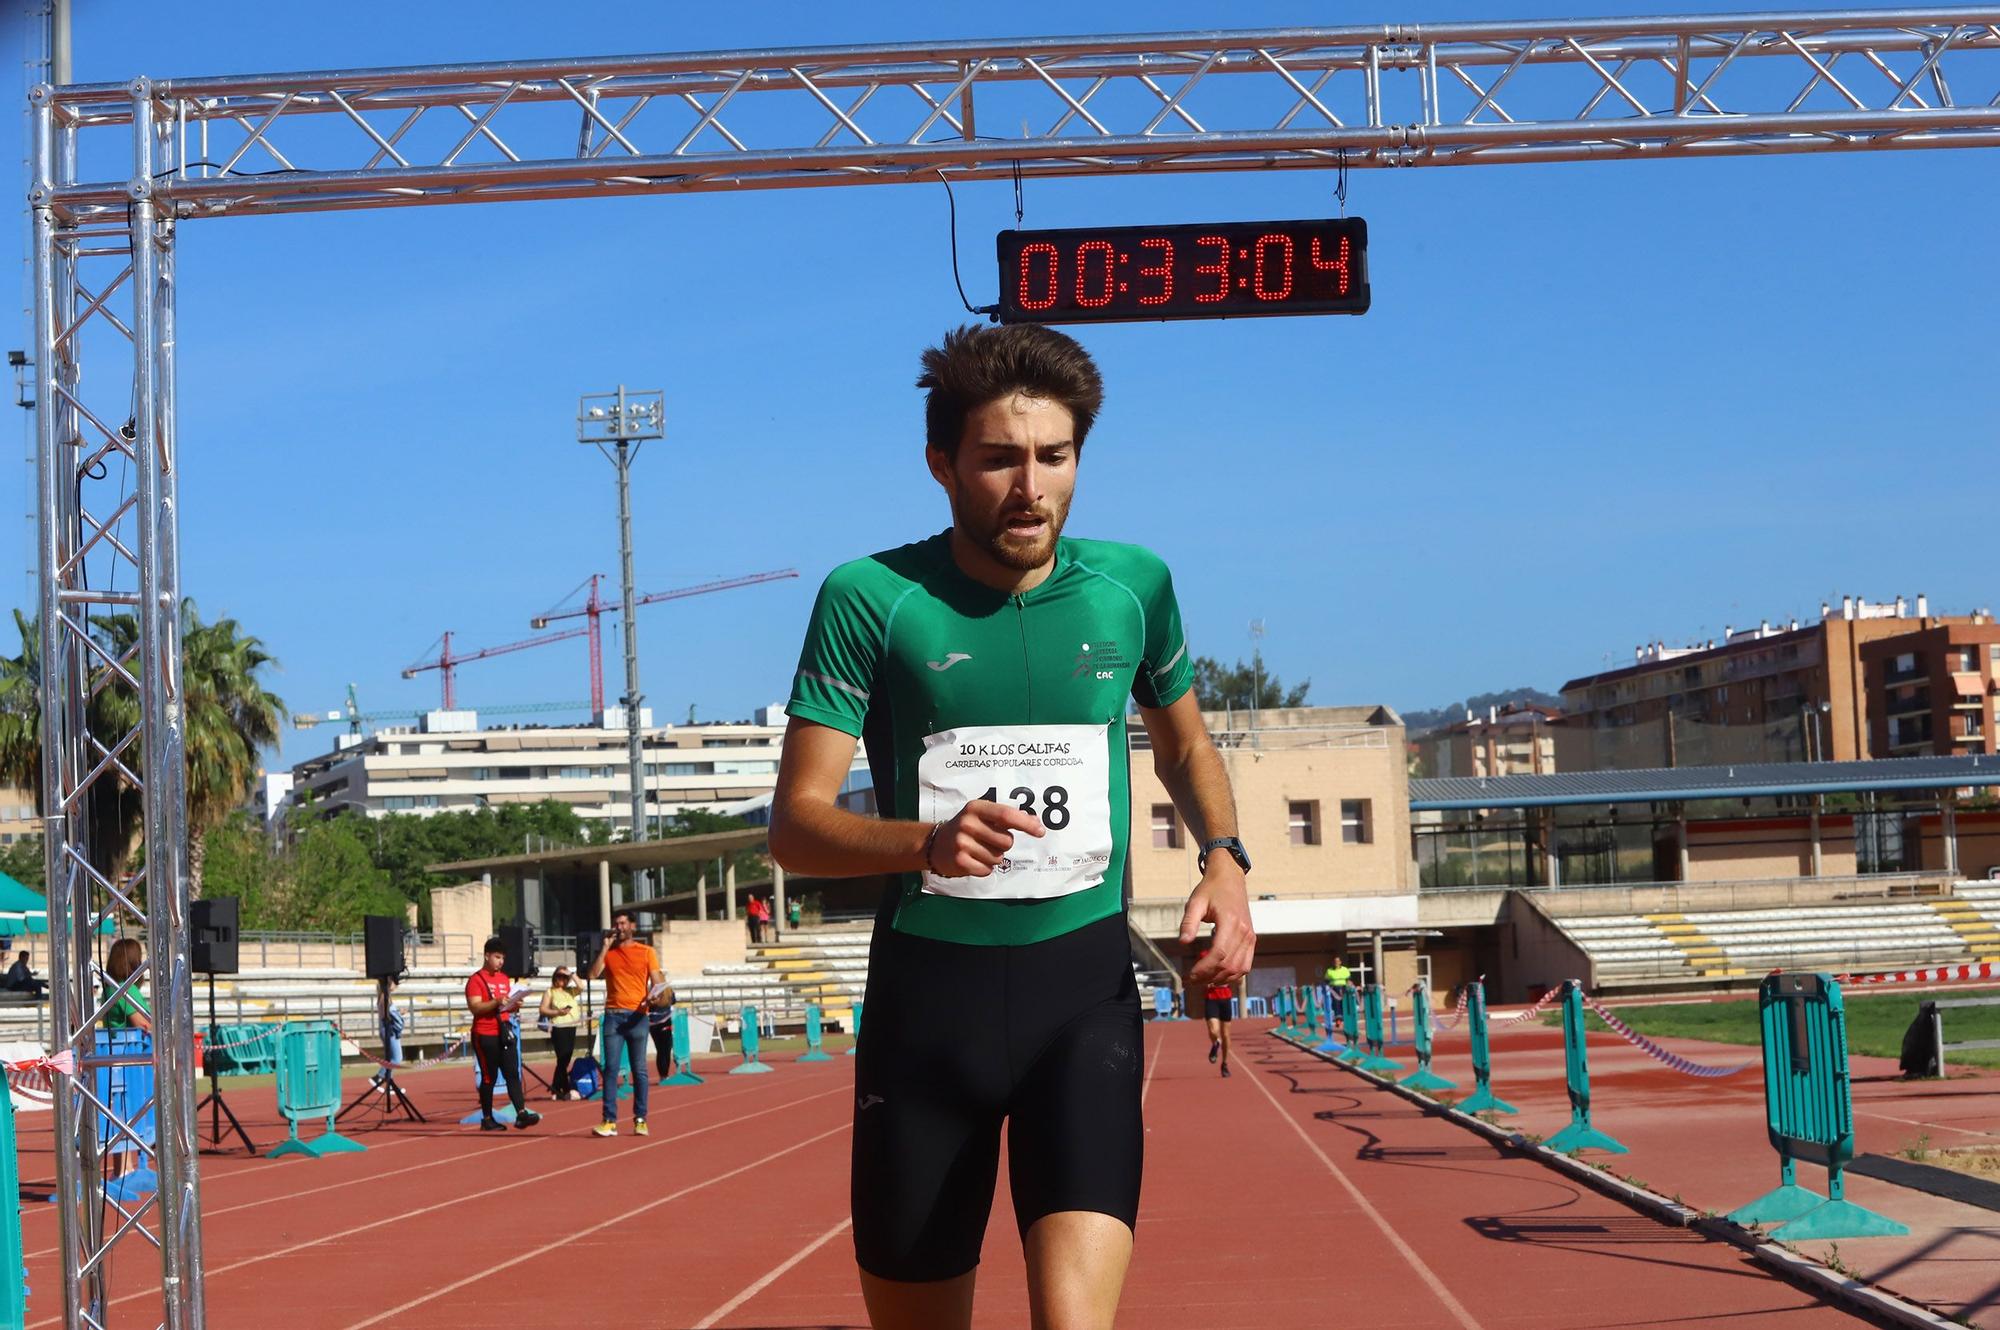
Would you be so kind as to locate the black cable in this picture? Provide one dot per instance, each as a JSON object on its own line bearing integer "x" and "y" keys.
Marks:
{"x": 951, "y": 202}
{"x": 171, "y": 170}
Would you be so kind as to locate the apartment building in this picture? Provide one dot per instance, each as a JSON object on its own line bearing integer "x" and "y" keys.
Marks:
{"x": 1934, "y": 691}
{"x": 1784, "y": 692}
{"x": 448, "y": 763}
{"x": 1514, "y": 740}
{"x": 18, "y": 815}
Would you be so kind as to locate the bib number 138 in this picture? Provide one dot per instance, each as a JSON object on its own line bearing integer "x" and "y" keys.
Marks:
{"x": 1053, "y": 808}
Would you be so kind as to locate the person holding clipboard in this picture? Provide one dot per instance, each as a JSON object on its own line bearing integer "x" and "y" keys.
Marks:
{"x": 491, "y": 998}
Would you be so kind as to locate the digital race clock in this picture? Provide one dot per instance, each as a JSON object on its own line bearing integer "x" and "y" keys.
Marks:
{"x": 1216, "y": 270}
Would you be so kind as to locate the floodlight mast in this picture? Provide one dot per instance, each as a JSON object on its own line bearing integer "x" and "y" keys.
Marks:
{"x": 1397, "y": 95}
{"x": 624, "y": 421}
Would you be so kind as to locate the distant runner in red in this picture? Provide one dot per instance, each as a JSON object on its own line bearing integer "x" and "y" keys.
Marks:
{"x": 493, "y": 1040}
{"x": 1217, "y": 998}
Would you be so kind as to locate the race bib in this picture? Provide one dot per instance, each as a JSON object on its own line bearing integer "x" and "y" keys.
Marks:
{"x": 1059, "y": 773}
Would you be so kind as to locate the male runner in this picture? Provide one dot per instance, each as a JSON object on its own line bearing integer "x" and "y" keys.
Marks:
{"x": 1217, "y": 999}
{"x": 989, "y": 670}
{"x": 493, "y": 1040}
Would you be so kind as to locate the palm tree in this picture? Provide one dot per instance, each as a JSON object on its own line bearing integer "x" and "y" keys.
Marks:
{"x": 228, "y": 716}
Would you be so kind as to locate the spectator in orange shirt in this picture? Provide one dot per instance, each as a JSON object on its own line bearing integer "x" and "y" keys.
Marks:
{"x": 631, "y": 973}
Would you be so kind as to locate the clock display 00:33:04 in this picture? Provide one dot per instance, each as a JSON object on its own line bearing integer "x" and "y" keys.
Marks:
{"x": 1207, "y": 270}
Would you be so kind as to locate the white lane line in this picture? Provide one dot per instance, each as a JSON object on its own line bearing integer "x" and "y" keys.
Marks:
{"x": 598, "y": 1227}
{"x": 776, "y": 1273}
{"x": 208, "y": 1213}
{"x": 1928, "y": 1126}
{"x": 1416, "y": 1262}
{"x": 1152, "y": 1063}
{"x": 212, "y": 1271}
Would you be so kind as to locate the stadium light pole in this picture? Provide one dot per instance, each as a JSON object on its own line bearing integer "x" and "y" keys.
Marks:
{"x": 617, "y": 423}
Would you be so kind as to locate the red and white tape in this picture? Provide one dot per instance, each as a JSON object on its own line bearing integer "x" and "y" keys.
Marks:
{"x": 1943, "y": 974}
{"x": 1673, "y": 1061}
{"x": 33, "y": 1074}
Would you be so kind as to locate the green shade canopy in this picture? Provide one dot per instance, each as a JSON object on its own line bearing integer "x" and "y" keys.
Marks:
{"x": 25, "y": 910}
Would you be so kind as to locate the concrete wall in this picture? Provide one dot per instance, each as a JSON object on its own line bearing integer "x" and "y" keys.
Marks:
{"x": 464, "y": 909}
{"x": 687, "y": 946}
{"x": 1536, "y": 953}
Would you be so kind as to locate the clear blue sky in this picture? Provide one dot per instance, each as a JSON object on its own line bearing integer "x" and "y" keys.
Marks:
{"x": 1592, "y": 405}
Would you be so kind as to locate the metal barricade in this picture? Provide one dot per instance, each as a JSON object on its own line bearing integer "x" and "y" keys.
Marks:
{"x": 1809, "y": 1112}
{"x": 1579, "y": 1134}
{"x": 309, "y": 1088}
{"x": 1423, "y": 1078}
{"x": 1483, "y": 1099}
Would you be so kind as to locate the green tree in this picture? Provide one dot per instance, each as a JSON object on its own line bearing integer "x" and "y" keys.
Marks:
{"x": 1242, "y": 686}
{"x": 406, "y": 844}
{"x": 228, "y": 715}
{"x": 750, "y": 865}
{"x": 23, "y": 862}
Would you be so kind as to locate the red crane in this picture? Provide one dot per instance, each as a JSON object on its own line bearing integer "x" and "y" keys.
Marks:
{"x": 449, "y": 663}
{"x": 595, "y": 608}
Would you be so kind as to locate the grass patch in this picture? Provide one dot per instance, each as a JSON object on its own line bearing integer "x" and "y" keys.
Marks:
{"x": 1875, "y": 1024}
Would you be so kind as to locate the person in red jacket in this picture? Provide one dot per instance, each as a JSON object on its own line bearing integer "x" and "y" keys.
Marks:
{"x": 493, "y": 1038}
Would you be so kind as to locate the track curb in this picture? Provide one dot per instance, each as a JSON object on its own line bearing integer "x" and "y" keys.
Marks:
{"x": 1802, "y": 1271}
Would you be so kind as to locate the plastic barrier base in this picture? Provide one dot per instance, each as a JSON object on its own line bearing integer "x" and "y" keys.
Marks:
{"x": 1331, "y": 1048}
{"x": 332, "y": 1143}
{"x": 1377, "y": 1063}
{"x": 748, "y": 1068}
{"x": 682, "y": 1078}
{"x": 1838, "y": 1219}
{"x": 133, "y": 1186}
{"x": 1485, "y": 1101}
{"x": 1426, "y": 1079}
{"x": 1776, "y": 1207}
{"x": 1579, "y": 1136}
{"x": 815, "y": 1055}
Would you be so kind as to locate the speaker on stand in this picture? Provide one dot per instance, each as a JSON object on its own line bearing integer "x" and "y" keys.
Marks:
{"x": 519, "y": 942}
{"x": 212, "y": 938}
{"x": 382, "y": 939}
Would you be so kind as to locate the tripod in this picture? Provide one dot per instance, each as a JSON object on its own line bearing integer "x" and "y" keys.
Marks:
{"x": 217, "y": 1107}
{"x": 394, "y": 1099}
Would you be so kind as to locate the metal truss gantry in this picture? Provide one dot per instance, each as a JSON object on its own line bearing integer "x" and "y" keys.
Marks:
{"x": 119, "y": 166}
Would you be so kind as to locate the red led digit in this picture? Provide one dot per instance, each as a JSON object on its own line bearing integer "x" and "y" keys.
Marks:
{"x": 1028, "y": 253}
{"x": 1083, "y": 253}
{"x": 1338, "y": 266}
{"x": 1165, "y": 271}
{"x": 1261, "y": 281}
{"x": 1220, "y": 268}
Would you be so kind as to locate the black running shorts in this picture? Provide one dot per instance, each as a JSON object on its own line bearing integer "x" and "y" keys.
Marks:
{"x": 1045, "y": 1036}
{"x": 1218, "y": 1009}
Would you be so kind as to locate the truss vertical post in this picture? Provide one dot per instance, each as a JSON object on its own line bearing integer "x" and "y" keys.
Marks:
{"x": 164, "y": 720}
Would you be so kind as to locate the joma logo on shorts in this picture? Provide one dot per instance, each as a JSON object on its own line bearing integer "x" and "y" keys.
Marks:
{"x": 1103, "y": 657}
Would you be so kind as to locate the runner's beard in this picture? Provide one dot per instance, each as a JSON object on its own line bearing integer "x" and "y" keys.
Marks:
{"x": 1011, "y": 551}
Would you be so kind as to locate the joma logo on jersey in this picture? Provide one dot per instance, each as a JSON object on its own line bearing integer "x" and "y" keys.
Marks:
{"x": 1102, "y": 657}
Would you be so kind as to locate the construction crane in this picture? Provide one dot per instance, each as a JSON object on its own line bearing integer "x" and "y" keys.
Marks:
{"x": 355, "y": 718}
{"x": 595, "y": 608}
{"x": 448, "y": 664}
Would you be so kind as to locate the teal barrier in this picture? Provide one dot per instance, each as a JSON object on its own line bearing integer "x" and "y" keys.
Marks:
{"x": 752, "y": 1062}
{"x": 1328, "y": 1003}
{"x": 814, "y": 1036}
{"x": 1282, "y": 1009}
{"x": 1809, "y": 1111}
{"x": 1310, "y": 1029}
{"x": 1350, "y": 1025}
{"x": 1483, "y": 1099}
{"x": 683, "y": 1052}
{"x": 127, "y": 1091}
{"x": 1423, "y": 1078}
{"x": 13, "y": 1292}
{"x": 1579, "y": 1134}
{"x": 1373, "y": 1060}
{"x": 243, "y": 1050}
{"x": 309, "y": 1087}
{"x": 857, "y": 1031}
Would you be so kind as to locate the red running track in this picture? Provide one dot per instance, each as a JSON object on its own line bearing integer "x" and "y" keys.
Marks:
{"x": 1290, "y": 1196}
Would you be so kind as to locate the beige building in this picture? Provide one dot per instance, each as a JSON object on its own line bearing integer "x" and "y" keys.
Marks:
{"x": 1514, "y": 740}
{"x": 1322, "y": 805}
{"x": 18, "y": 817}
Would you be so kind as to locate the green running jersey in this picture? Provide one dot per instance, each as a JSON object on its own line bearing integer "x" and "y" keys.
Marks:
{"x": 960, "y": 692}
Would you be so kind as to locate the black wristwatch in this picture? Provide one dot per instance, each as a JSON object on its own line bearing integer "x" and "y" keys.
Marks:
{"x": 1229, "y": 843}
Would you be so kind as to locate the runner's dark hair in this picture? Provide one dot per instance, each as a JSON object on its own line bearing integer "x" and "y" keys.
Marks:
{"x": 978, "y": 363}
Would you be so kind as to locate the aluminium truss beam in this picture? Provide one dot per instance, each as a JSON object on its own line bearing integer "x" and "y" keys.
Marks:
{"x": 119, "y": 166}
{"x": 1394, "y": 95}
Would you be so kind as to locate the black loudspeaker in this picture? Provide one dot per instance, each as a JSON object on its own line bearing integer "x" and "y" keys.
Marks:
{"x": 212, "y": 935}
{"x": 383, "y": 936}
{"x": 518, "y": 941}
{"x": 586, "y": 951}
